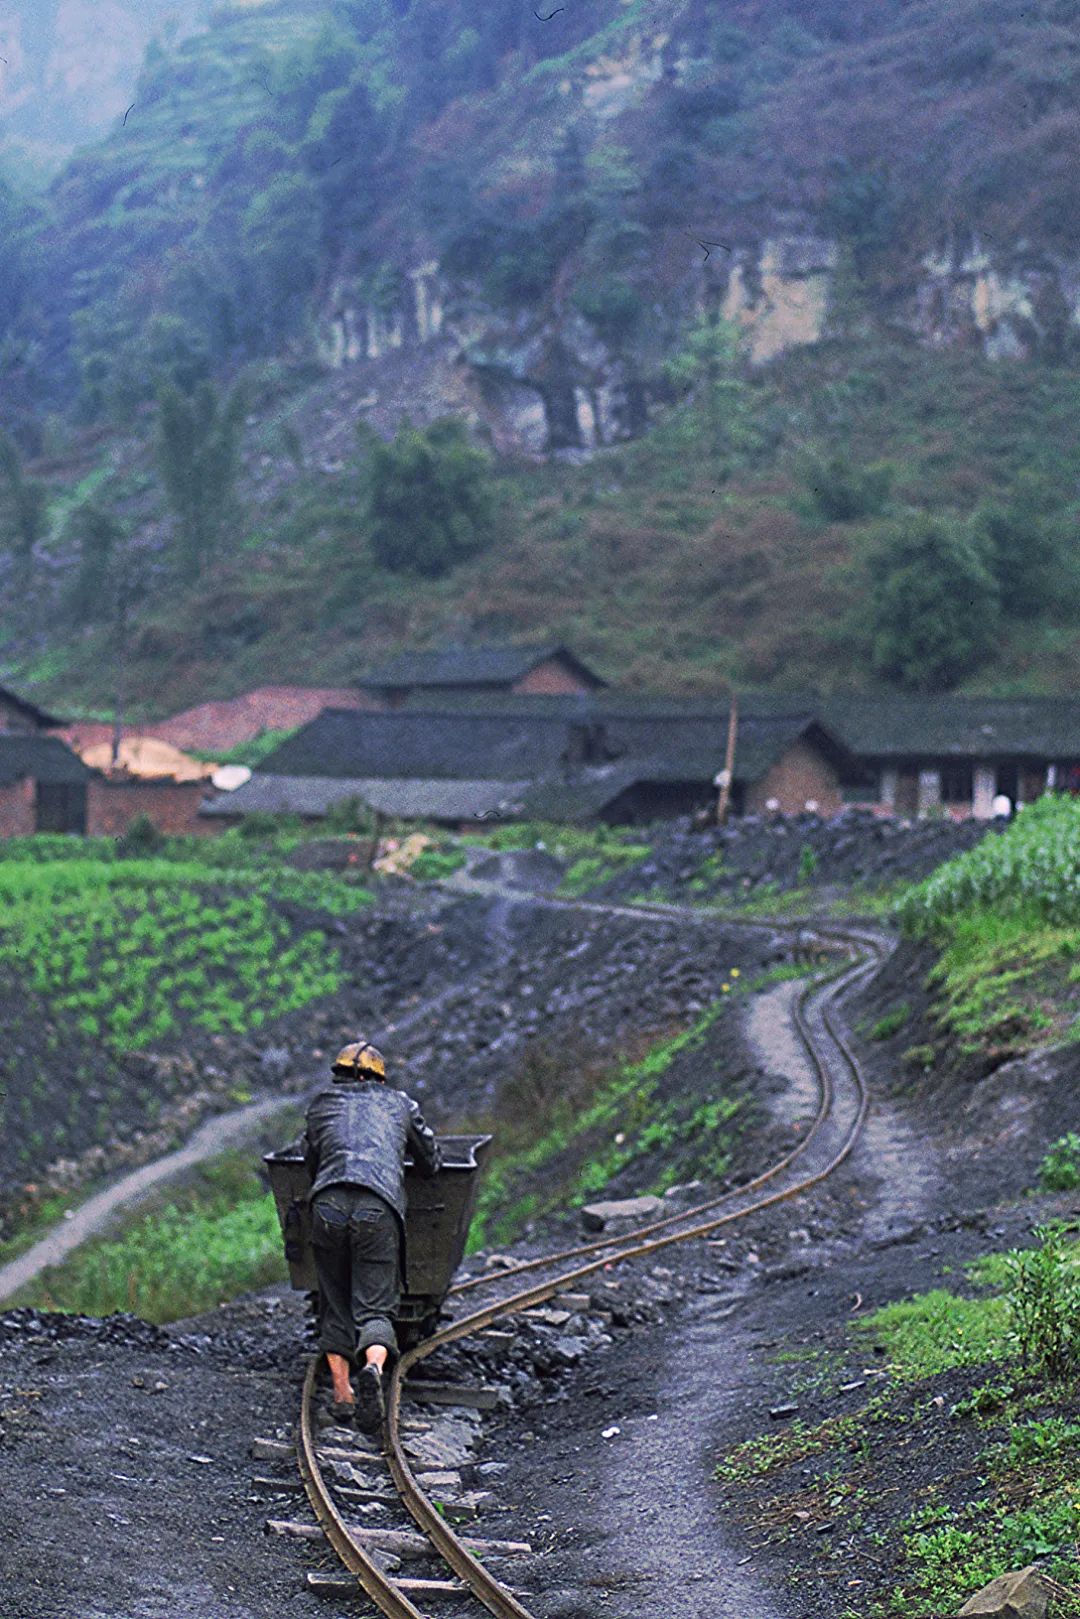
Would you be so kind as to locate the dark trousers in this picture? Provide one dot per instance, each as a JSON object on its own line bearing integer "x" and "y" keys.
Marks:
{"x": 357, "y": 1242}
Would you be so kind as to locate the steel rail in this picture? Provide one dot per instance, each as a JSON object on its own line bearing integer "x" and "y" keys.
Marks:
{"x": 490, "y": 1591}
{"x": 542, "y": 1291}
{"x": 378, "y": 1586}
{"x": 607, "y": 1243}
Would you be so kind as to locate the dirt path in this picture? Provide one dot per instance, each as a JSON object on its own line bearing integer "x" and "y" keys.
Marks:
{"x": 656, "y": 1519}
{"x": 769, "y": 1031}
{"x": 214, "y": 1136}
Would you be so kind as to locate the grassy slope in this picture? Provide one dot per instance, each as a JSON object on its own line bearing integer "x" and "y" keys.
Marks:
{"x": 973, "y": 1408}
{"x": 982, "y": 1445}
{"x": 1005, "y": 917}
{"x": 666, "y": 564}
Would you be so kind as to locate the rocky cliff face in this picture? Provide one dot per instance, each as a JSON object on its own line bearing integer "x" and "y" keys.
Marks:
{"x": 543, "y": 383}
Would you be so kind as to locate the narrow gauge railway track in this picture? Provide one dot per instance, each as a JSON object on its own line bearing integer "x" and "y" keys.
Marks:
{"x": 842, "y": 1108}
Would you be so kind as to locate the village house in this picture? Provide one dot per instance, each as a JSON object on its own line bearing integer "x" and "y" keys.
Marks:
{"x": 957, "y": 755}
{"x": 482, "y": 671}
{"x": 615, "y": 758}
{"x": 46, "y": 787}
{"x": 17, "y": 716}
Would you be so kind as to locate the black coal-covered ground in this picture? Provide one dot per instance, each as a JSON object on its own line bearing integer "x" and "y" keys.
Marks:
{"x": 456, "y": 990}
{"x": 991, "y": 1116}
{"x": 854, "y": 850}
{"x": 457, "y": 997}
{"x": 617, "y": 1419}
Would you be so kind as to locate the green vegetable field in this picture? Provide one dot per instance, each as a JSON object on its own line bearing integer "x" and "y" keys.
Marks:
{"x": 108, "y": 965}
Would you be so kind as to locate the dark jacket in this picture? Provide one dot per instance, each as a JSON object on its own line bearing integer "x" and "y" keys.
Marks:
{"x": 358, "y": 1132}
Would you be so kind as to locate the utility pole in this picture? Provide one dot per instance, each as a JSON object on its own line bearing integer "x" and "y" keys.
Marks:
{"x": 724, "y": 778}
{"x": 120, "y": 628}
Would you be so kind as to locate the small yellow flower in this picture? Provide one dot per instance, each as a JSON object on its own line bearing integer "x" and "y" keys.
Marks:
{"x": 734, "y": 972}
{"x": 725, "y": 988}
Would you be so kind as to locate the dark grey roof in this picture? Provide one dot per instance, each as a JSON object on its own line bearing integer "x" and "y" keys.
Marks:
{"x": 518, "y": 740}
{"x": 41, "y": 758}
{"x": 38, "y": 715}
{"x": 426, "y": 745}
{"x": 990, "y": 728}
{"x": 581, "y": 796}
{"x": 410, "y": 800}
{"x": 470, "y": 666}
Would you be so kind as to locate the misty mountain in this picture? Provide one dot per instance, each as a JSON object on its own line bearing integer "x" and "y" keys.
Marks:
{"x": 70, "y": 68}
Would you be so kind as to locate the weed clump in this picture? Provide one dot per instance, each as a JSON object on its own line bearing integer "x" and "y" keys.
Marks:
{"x": 891, "y": 1022}
{"x": 1044, "y": 1304}
{"x": 1060, "y": 1169}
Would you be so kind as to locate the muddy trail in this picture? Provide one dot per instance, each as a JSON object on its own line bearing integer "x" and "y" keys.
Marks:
{"x": 125, "y": 1450}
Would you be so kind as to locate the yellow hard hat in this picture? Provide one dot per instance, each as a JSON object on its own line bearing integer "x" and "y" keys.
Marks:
{"x": 358, "y": 1057}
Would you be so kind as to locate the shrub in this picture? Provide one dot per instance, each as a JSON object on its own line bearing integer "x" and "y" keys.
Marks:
{"x": 891, "y": 1023}
{"x": 1044, "y": 1304}
{"x": 614, "y": 307}
{"x": 1022, "y": 542}
{"x": 429, "y": 499}
{"x": 141, "y": 838}
{"x": 433, "y": 864}
{"x": 842, "y": 491}
{"x": 1060, "y": 1169}
{"x": 934, "y": 606}
{"x": 808, "y": 864}
{"x": 349, "y": 815}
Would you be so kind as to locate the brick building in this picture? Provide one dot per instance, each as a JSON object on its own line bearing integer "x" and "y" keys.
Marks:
{"x": 955, "y": 755}
{"x": 598, "y": 756}
{"x": 487, "y": 671}
{"x": 20, "y": 717}
{"x": 46, "y": 787}
{"x": 43, "y": 786}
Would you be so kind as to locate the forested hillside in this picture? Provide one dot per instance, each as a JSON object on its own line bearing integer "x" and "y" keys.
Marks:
{"x": 798, "y": 290}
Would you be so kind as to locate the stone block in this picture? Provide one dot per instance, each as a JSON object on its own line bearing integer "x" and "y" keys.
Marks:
{"x": 1022, "y": 1594}
{"x": 622, "y": 1211}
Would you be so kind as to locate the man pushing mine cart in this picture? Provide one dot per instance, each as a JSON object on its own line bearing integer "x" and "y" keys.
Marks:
{"x": 375, "y": 1214}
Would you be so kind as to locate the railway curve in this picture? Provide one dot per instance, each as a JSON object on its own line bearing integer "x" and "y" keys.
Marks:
{"x": 843, "y": 1102}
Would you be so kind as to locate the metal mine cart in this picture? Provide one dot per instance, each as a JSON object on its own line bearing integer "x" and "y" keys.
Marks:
{"x": 437, "y": 1216}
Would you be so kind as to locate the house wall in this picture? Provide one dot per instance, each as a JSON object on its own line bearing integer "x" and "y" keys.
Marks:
{"x": 173, "y": 807}
{"x": 553, "y": 678}
{"x": 800, "y": 776}
{"x": 13, "y": 718}
{"x": 17, "y": 809}
{"x": 648, "y": 801}
{"x": 919, "y": 788}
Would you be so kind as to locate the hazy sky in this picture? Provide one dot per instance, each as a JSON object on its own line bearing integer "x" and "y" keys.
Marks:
{"x": 70, "y": 66}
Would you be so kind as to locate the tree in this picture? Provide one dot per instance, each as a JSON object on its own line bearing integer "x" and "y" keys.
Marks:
{"x": 343, "y": 141}
{"x": 863, "y": 208}
{"x": 705, "y": 367}
{"x": 22, "y": 506}
{"x": 1022, "y": 543}
{"x": 104, "y": 590}
{"x": 19, "y": 255}
{"x": 429, "y": 499}
{"x": 281, "y": 242}
{"x": 97, "y": 584}
{"x": 934, "y": 606}
{"x": 842, "y": 490}
{"x": 198, "y": 444}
